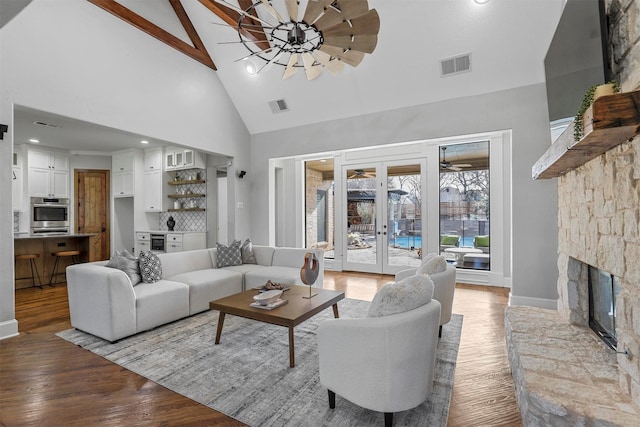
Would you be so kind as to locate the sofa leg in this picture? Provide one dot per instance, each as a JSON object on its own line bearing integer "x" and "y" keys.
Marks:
{"x": 388, "y": 419}
{"x": 332, "y": 399}
{"x": 440, "y": 332}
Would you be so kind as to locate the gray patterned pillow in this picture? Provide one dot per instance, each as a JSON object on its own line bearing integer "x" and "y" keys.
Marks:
{"x": 248, "y": 257}
{"x": 123, "y": 260}
{"x": 229, "y": 255}
{"x": 150, "y": 268}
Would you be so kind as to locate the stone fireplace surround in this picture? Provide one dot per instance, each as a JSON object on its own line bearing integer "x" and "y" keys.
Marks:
{"x": 564, "y": 374}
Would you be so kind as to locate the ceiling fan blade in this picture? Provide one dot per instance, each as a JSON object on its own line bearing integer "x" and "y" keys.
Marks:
{"x": 292, "y": 9}
{"x": 313, "y": 71}
{"x": 369, "y": 23}
{"x": 453, "y": 168}
{"x": 350, "y": 57}
{"x": 314, "y": 10}
{"x": 362, "y": 43}
{"x": 242, "y": 12}
{"x": 462, "y": 165}
{"x": 291, "y": 66}
{"x": 334, "y": 66}
{"x": 272, "y": 11}
{"x": 340, "y": 11}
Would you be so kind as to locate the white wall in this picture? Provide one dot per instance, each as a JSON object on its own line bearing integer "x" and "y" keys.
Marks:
{"x": 523, "y": 110}
{"x": 72, "y": 58}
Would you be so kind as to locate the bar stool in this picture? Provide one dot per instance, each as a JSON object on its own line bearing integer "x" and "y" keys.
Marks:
{"x": 34, "y": 268}
{"x": 58, "y": 255}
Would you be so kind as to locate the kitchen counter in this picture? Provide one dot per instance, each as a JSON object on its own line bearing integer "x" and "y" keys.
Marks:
{"x": 27, "y": 235}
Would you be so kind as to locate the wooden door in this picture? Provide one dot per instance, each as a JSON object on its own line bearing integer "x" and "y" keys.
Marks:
{"x": 92, "y": 210}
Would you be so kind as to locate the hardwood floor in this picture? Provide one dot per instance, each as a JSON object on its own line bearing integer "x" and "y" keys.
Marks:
{"x": 46, "y": 381}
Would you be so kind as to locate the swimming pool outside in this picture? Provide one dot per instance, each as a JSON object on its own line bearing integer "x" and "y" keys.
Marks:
{"x": 408, "y": 242}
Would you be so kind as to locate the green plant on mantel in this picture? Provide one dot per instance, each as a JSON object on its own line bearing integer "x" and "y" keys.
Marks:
{"x": 584, "y": 106}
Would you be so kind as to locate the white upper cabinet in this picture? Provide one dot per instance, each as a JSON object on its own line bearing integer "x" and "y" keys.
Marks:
{"x": 48, "y": 174}
{"x": 153, "y": 159}
{"x": 177, "y": 158}
{"x": 122, "y": 162}
{"x": 122, "y": 170}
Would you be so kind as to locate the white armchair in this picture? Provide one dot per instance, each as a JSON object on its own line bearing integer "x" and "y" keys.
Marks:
{"x": 384, "y": 363}
{"x": 444, "y": 288}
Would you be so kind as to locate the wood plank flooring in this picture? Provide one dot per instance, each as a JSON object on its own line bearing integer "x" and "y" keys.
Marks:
{"x": 46, "y": 381}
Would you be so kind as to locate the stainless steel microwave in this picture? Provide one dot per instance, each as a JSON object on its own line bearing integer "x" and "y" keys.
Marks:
{"x": 49, "y": 212}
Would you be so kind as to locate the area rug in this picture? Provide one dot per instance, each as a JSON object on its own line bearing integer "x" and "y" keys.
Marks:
{"x": 247, "y": 376}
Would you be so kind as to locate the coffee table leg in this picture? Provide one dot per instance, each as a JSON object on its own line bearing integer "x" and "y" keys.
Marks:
{"x": 292, "y": 355}
{"x": 335, "y": 311}
{"x": 220, "y": 323}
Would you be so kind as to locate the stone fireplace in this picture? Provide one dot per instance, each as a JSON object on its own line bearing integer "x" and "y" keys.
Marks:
{"x": 563, "y": 373}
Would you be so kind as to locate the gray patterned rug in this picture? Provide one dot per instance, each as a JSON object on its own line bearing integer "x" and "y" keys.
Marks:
{"x": 248, "y": 377}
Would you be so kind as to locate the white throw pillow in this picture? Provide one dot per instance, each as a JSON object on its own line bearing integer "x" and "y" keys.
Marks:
{"x": 398, "y": 297}
{"x": 432, "y": 264}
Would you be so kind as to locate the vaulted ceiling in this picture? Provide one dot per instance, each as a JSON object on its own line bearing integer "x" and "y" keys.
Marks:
{"x": 506, "y": 40}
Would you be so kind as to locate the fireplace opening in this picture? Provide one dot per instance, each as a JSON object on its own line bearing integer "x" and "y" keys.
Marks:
{"x": 603, "y": 289}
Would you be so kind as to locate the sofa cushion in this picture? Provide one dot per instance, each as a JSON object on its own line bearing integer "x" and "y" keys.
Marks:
{"x": 123, "y": 260}
{"x": 150, "y": 267}
{"x": 159, "y": 303}
{"x": 291, "y": 257}
{"x": 182, "y": 262}
{"x": 208, "y": 285}
{"x": 248, "y": 257}
{"x": 229, "y": 255}
{"x": 398, "y": 297}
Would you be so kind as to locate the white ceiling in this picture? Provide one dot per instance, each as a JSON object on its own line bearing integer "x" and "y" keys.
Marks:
{"x": 507, "y": 40}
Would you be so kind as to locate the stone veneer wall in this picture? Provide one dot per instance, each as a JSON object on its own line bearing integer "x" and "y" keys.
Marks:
{"x": 599, "y": 210}
{"x": 315, "y": 182}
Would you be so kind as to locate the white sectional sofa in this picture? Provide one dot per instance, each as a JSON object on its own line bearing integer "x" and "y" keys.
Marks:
{"x": 103, "y": 301}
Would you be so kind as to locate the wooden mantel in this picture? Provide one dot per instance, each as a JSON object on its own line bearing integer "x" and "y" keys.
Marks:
{"x": 616, "y": 119}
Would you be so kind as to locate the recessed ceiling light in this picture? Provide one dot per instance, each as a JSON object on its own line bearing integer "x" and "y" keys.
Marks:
{"x": 481, "y": 1}
{"x": 35, "y": 141}
{"x": 250, "y": 67}
{"x": 144, "y": 141}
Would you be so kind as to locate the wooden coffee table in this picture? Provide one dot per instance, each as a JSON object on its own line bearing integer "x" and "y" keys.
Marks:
{"x": 290, "y": 315}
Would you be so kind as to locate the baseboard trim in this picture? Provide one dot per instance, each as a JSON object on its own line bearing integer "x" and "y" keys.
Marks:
{"x": 551, "y": 304}
{"x": 8, "y": 329}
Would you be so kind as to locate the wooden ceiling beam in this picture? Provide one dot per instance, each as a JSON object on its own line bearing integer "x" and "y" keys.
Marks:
{"x": 197, "y": 52}
{"x": 231, "y": 18}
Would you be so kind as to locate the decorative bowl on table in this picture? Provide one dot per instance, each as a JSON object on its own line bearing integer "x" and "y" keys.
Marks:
{"x": 266, "y": 298}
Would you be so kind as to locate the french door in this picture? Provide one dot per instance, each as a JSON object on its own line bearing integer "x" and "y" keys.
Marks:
{"x": 383, "y": 215}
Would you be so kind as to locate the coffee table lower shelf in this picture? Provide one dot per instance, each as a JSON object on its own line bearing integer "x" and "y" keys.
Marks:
{"x": 289, "y": 315}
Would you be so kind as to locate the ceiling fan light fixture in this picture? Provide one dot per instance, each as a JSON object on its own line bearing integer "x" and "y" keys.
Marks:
{"x": 343, "y": 29}
{"x": 250, "y": 67}
{"x": 481, "y": 1}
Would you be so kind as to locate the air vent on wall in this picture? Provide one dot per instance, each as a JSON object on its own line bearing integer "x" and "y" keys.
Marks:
{"x": 455, "y": 65}
{"x": 278, "y": 106}
{"x": 49, "y": 125}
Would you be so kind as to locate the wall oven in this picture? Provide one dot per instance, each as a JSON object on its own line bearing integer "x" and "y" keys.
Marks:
{"x": 49, "y": 214}
{"x": 158, "y": 242}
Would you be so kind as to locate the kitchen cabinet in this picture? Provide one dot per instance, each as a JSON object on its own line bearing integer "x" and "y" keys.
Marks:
{"x": 153, "y": 183}
{"x": 122, "y": 184}
{"x": 186, "y": 241}
{"x": 122, "y": 175}
{"x": 48, "y": 174}
{"x": 177, "y": 158}
{"x": 143, "y": 242}
{"x": 153, "y": 159}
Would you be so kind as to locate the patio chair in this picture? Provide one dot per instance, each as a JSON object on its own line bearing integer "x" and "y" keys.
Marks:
{"x": 449, "y": 241}
{"x": 482, "y": 243}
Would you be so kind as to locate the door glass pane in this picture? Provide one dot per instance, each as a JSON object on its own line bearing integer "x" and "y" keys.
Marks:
{"x": 404, "y": 226}
{"x": 464, "y": 204}
{"x": 361, "y": 215}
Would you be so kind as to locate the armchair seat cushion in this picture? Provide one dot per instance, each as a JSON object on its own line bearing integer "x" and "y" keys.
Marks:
{"x": 398, "y": 297}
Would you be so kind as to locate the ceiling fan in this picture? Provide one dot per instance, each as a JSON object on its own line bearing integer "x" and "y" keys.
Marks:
{"x": 361, "y": 173}
{"x": 450, "y": 166}
{"x": 331, "y": 33}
